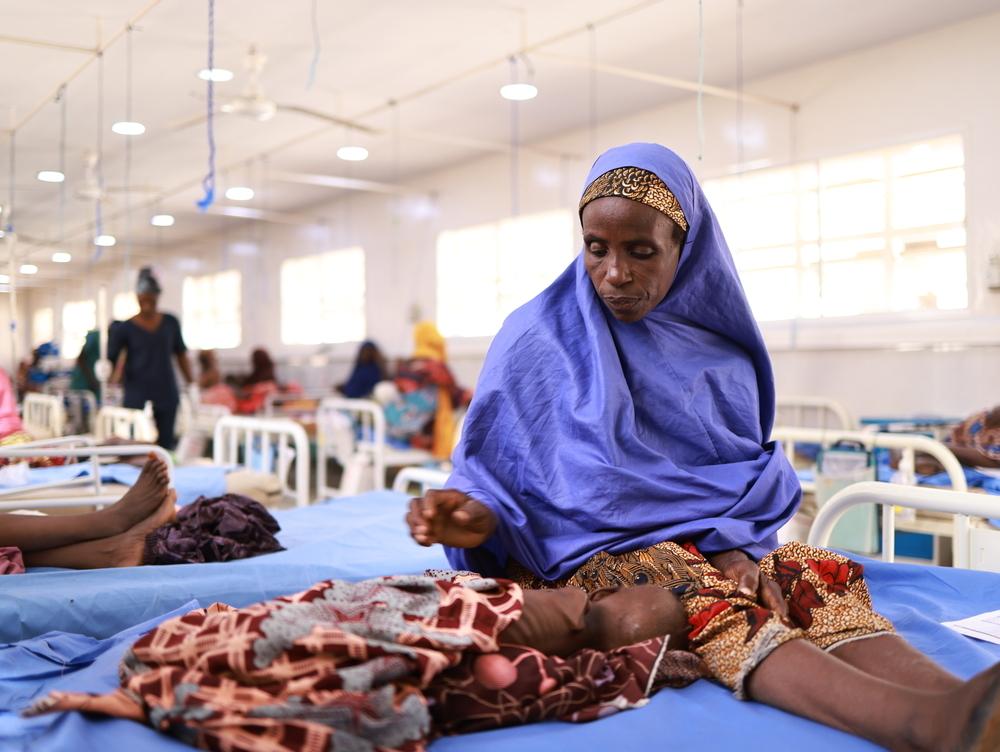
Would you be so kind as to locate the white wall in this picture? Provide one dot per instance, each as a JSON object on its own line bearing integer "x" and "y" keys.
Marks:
{"x": 932, "y": 84}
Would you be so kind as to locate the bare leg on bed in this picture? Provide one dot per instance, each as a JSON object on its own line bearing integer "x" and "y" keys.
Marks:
{"x": 892, "y": 658}
{"x": 31, "y": 533}
{"x": 800, "y": 678}
{"x": 122, "y": 550}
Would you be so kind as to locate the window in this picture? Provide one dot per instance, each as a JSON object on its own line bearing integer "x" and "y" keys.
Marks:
{"x": 124, "y": 306}
{"x": 866, "y": 233}
{"x": 212, "y": 306}
{"x": 485, "y": 272}
{"x": 323, "y": 298}
{"x": 78, "y": 318}
{"x": 43, "y": 326}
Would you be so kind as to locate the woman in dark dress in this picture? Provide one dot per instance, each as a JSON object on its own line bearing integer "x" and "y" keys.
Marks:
{"x": 149, "y": 340}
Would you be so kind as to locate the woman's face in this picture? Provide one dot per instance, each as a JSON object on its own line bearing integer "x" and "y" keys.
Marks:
{"x": 147, "y": 303}
{"x": 631, "y": 253}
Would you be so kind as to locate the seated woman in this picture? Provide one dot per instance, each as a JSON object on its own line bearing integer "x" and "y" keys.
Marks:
{"x": 369, "y": 369}
{"x": 111, "y": 537}
{"x": 259, "y": 384}
{"x": 211, "y": 389}
{"x": 422, "y": 411}
{"x": 619, "y": 436}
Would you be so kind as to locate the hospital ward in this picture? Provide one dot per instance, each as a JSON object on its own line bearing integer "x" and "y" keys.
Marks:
{"x": 487, "y": 375}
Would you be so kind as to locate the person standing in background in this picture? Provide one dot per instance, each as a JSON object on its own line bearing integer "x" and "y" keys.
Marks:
{"x": 149, "y": 340}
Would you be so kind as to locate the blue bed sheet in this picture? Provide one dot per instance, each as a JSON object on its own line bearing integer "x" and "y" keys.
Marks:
{"x": 351, "y": 539}
{"x": 190, "y": 482}
{"x": 702, "y": 716}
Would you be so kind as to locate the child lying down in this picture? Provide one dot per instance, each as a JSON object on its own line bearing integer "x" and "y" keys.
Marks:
{"x": 387, "y": 664}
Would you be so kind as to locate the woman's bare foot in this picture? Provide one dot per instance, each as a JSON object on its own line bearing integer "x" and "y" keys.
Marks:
{"x": 122, "y": 550}
{"x": 142, "y": 499}
{"x": 966, "y": 719}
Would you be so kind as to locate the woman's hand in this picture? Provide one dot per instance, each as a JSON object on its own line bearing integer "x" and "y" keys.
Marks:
{"x": 451, "y": 518}
{"x": 739, "y": 567}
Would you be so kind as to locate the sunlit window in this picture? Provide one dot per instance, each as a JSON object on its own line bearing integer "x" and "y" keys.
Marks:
{"x": 865, "y": 233}
{"x": 78, "y": 318}
{"x": 212, "y": 306}
{"x": 124, "y": 306}
{"x": 485, "y": 272}
{"x": 43, "y": 326}
{"x": 323, "y": 298}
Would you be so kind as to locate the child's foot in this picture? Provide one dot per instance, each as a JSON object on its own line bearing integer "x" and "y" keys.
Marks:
{"x": 128, "y": 547}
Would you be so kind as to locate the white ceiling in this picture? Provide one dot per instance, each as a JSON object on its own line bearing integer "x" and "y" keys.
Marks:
{"x": 443, "y": 60}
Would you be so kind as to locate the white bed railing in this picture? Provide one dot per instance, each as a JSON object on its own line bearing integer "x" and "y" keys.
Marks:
{"x": 827, "y": 413}
{"x": 423, "y": 477}
{"x": 270, "y": 445}
{"x": 81, "y": 406}
{"x": 975, "y": 547}
{"x": 339, "y": 421}
{"x": 43, "y": 415}
{"x": 69, "y": 447}
{"x": 909, "y": 444}
{"x": 124, "y": 423}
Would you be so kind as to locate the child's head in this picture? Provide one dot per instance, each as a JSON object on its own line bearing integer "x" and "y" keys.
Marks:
{"x": 564, "y": 620}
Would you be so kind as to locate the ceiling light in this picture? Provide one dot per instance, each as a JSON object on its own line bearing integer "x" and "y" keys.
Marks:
{"x": 29, "y": 269}
{"x": 219, "y": 75}
{"x": 4, "y": 279}
{"x": 239, "y": 193}
{"x": 352, "y": 153}
{"x": 128, "y": 128}
{"x": 105, "y": 240}
{"x": 61, "y": 257}
{"x": 518, "y": 92}
{"x": 51, "y": 176}
{"x": 162, "y": 220}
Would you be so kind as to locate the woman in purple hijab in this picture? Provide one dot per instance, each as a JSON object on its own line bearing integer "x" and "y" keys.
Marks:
{"x": 620, "y": 436}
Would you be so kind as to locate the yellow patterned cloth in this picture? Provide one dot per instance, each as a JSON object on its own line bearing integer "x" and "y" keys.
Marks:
{"x": 638, "y": 185}
{"x": 826, "y": 594}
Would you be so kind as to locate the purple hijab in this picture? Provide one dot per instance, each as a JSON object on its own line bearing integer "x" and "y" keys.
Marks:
{"x": 587, "y": 434}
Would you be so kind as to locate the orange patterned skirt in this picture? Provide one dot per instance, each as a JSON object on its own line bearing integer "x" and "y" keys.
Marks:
{"x": 828, "y": 601}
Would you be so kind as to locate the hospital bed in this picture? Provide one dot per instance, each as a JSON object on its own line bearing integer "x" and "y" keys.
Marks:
{"x": 353, "y": 432}
{"x": 975, "y": 547}
{"x": 43, "y": 415}
{"x": 365, "y": 536}
{"x": 935, "y": 524}
{"x": 268, "y": 445}
{"x": 66, "y": 486}
{"x": 124, "y": 423}
{"x": 812, "y": 412}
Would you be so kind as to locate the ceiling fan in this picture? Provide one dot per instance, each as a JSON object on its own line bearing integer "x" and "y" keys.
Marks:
{"x": 90, "y": 188}
{"x": 253, "y": 104}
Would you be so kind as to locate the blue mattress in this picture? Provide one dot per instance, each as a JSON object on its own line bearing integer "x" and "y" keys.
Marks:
{"x": 190, "y": 482}
{"x": 365, "y": 536}
{"x": 349, "y": 539}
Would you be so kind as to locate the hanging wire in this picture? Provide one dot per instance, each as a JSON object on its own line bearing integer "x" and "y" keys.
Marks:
{"x": 127, "y": 256}
{"x": 316, "y": 45}
{"x": 740, "y": 153}
{"x": 98, "y": 218}
{"x": 515, "y": 167}
{"x": 208, "y": 182}
{"x": 592, "y": 106}
{"x": 701, "y": 79}
{"x": 61, "y": 98}
{"x": 11, "y": 193}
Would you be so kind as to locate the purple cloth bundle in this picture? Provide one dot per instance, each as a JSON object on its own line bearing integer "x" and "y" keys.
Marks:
{"x": 225, "y": 528}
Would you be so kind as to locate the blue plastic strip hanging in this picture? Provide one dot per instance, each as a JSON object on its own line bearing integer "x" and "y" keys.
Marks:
{"x": 208, "y": 183}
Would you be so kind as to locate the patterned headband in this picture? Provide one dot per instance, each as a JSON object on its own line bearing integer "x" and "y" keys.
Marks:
{"x": 639, "y": 185}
